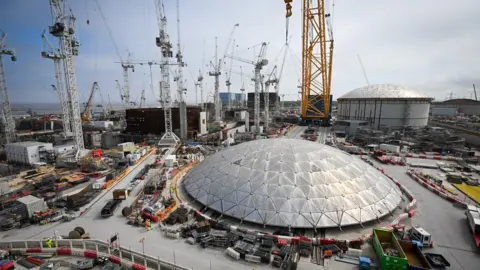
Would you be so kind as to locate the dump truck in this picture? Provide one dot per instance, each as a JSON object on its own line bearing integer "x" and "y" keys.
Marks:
{"x": 415, "y": 257}
{"x": 389, "y": 252}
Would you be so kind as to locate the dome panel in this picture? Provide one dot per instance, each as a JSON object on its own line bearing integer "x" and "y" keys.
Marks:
{"x": 289, "y": 182}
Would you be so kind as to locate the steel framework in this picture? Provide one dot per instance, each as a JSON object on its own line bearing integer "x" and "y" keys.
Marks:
{"x": 258, "y": 64}
{"x": 317, "y": 53}
{"x": 63, "y": 28}
{"x": 163, "y": 42}
{"x": 8, "y": 123}
{"x": 52, "y": 53}
{"x": 272, "y": 79}
{"x": 217, "y": 67}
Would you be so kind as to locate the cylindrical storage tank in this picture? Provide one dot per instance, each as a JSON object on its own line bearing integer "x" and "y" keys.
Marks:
{"x": 385, "y": 105}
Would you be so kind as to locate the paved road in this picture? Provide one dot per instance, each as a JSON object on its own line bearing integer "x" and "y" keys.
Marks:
{"x": 447, "y": 224}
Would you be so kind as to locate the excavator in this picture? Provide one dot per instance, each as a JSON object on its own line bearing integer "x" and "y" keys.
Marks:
{"x": 86, "y": 114}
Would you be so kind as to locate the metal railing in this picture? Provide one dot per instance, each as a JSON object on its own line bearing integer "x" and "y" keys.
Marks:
{"x": 100, "y": 247}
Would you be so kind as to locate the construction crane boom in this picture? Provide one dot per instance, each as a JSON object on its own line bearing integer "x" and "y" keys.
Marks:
{"x": 63, "y": 28}
{"x": 52, "y": 53}
{"x": 86, "y": 115}
{"x": 317, "y": 57}
{"x": 7, "y": 118}
{"x": 163, "y": 42}
{"x": 217, "y": 67}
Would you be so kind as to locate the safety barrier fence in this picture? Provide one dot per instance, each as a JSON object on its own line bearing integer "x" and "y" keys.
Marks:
{"x": 435, "y": 189}
{"x": 423, "y": 156}
{"x": 92, "y": 249}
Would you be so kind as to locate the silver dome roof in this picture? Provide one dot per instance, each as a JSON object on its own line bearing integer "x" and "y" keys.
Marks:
{"x": 386, "y": 91}
{"x": 290, "y": 182}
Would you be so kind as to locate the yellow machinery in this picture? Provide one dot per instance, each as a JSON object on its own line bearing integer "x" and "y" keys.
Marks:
{"x": 317, "y": 56}
{"x": 86, "y": 115}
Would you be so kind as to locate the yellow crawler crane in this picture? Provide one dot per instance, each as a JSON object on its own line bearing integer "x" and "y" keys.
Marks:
{"x": 317, "y": 57}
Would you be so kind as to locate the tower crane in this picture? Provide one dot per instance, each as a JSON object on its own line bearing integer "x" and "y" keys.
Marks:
{"x": 272, "y": 79}
{"x": 125, "y": 90}
{"x": 7, "y": 118}
{"x": 63, "y": 28}
{"x": 258, "y": 64}
{"x": 52, "y": 53}
{"x": 126, "y": 66}
{"x": 317, "y": 58}
{"x": 228, "y": 75}
{"x": 217, "y": 67}
{"x": 163, "y": 42}
{"x": 86, "y": 115}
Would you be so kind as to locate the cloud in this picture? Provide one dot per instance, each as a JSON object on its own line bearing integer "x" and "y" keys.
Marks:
{"x": 429, "y": 45}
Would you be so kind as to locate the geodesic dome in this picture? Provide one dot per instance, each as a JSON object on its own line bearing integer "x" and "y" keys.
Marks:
{"x": 292, "y": 183}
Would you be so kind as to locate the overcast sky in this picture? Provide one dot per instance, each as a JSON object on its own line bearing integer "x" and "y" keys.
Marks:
{"x": 429, "y": 45}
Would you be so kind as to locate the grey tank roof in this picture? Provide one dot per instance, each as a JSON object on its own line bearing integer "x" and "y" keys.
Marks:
{"x": 384, "y": 91}
{"x": 290, "y": 182}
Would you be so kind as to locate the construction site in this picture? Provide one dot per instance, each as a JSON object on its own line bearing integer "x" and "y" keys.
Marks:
{"x": 378, "y": 178}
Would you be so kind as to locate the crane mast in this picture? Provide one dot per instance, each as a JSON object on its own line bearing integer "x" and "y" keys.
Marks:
{"x": 227, "y": 81}
{"x": 7, "y": 118}
{"x": 63, "y": 28}
{"x": 317, "y": 57}
{"x": 217, "y": 67}
{"x": 180, "y": 83}
{"x": 163, "y": 42}
{"x": 126, "y": 65}
{"x": 272, "y": 79}
{"x": 54, "y": 54}
{"x": 142, "y": 99}
{"x": 200, "y": 85}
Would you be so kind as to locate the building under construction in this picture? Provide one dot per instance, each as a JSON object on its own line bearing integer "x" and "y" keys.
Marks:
{"x": 143, "y": 121}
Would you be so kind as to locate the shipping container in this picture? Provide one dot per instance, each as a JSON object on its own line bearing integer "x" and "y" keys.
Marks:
{"x": 415, "y": 257}
{"x": 33, "y": 204}
{"x": 390, "y": 148}
{"x": 389, "y": 252}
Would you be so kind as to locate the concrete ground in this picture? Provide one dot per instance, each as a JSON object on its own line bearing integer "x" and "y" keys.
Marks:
{"x": 447, "y": 224}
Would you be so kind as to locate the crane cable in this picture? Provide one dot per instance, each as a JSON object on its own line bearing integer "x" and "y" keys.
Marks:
{"x": 109, "y": 30}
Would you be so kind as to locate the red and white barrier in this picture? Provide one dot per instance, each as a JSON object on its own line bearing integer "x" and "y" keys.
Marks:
{"x": 432, "y": 187}
{"x": 90, "y": 254}
{"x": 423, "y": 156}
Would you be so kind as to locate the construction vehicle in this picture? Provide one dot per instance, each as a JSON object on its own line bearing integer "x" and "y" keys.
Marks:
{"x": 420, "y": 235}
{"x": 86, "y": 114}
{"x": 317, "y": 58}
{"x": 473, "y": 220}
{"x": 109, "y": 209}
